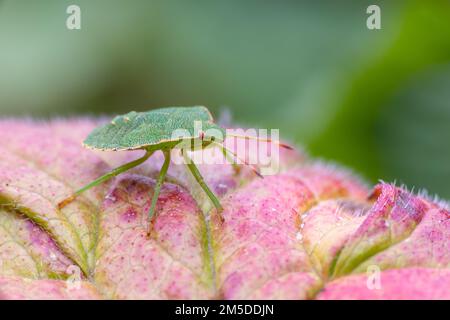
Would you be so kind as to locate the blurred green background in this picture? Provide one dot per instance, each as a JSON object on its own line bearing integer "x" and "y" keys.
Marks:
{"x": 377, "y": 101}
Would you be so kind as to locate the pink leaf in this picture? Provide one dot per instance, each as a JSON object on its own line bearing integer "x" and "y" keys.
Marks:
{"x": 410, "y": 284}
{"x": 313, "y": 230}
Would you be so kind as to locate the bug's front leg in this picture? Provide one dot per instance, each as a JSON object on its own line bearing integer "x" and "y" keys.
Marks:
{"x": 162, "y": 175}
{"x": 105, "y": 177}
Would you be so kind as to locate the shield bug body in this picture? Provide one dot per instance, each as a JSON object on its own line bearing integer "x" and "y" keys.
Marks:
{"x": 159, "y": 129}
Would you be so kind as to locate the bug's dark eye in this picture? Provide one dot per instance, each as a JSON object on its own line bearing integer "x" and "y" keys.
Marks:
{"x": 213, "y": 138}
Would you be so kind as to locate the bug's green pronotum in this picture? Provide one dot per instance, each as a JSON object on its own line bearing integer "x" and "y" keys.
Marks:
{"x": 152, "y": 131}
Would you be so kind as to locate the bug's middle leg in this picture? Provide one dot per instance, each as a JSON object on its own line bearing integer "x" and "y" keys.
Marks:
{"x": 157, "y": 189}
{"x": 196, "y": 173}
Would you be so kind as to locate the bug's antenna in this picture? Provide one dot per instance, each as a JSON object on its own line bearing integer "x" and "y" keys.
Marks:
{"x": 253, "y": 167}
{"x": 283, "y": 145}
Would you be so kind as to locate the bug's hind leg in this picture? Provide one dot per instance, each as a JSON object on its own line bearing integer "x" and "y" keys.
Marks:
{"x": 236, "y": 167}
{"x": 105, "y": 177}
{"x": 162, "y": 175}
{"x": 227, "y": 151}
{"x": 196, "y": 173}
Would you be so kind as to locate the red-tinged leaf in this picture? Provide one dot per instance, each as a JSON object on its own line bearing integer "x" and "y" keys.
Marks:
{"x": 172, "y": 264}
{"x": 410, "y": 284}
{"x": 28, "y": 251}
{"x": 313, "y": 230}
{"x": 392, "y": 218}
{"x": 261, "y": 245}
{"x": 258, "y": 243}
{"x": 327, "y": 227}
{"x": 39, "y": 167}
{"x": 427, "y": 246}
{"x": 15, "y": 288}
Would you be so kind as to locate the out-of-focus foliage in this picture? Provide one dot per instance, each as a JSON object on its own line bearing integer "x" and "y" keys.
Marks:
{"x": 377, "y": 101}
{"x": 388, "y": 127}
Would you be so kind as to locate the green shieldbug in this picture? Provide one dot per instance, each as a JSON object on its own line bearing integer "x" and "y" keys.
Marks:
{"x": 152, "y": 131}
